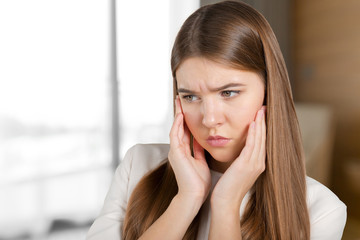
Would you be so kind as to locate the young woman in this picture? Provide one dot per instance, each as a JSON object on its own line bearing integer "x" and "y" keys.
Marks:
{"x": 234, "y": 168}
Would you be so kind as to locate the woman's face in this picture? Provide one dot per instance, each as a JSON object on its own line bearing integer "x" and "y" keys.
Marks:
{"x": 219, "y": 103}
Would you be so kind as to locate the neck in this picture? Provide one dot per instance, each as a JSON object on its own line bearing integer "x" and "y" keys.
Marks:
{"x": 216, "y": 165}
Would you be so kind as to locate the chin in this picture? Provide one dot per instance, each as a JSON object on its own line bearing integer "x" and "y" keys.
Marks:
{"x": 223, "y": 155}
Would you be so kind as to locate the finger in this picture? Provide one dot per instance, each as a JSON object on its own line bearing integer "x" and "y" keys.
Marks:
{"x": 258, "y": 135}
{"x": 174, "y": 135}
{"x": 264, "y": 108}
{"x": 198, "y": 151}
{"x": 249, "y": 145}
{"x": 263, "y": 140}
{"x": 183, "y": 131}
{"x": 181, "y": 128}
{"x": 174, "y": 141}
{"x": 174, "y": 127}
{"x": 186, "y": 135}
{"x": 177, "y": 105}
{"x": 180, "y": 106}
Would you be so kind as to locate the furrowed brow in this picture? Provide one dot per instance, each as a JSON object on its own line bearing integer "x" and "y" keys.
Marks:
{"x": 227, "y": 86}
{"x": 184, "y": 90}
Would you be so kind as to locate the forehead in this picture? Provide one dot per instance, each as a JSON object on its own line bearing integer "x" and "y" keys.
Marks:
{"x": 200, "y": 74}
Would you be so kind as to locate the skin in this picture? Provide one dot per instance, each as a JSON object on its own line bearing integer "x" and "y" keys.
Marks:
{"x": 234, "y": 112}
{"x": 227, "y": 112}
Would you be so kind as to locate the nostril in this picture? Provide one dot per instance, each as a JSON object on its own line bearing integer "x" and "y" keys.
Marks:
{"x": 211, "y": 116}
{"x": 210, "y": 120}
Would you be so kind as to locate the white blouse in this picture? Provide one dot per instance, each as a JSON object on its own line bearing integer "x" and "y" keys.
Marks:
{"x": 327, "y": 212}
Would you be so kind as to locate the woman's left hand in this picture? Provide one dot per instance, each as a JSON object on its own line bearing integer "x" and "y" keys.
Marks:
{"x": 246, "y": 168}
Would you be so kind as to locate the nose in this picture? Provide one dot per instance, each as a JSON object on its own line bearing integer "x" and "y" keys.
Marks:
{"x": 212, "y": 114}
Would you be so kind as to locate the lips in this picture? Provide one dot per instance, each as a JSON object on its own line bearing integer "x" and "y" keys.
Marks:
{"x": 217, "y": 141}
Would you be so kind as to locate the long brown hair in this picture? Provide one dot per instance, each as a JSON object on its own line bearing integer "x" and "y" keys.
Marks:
{"x": 234, "y": 34}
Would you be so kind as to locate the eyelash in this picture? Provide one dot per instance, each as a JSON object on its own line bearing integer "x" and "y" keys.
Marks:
{"x": 187, "y": 97}
{"x": 229, "y": 91}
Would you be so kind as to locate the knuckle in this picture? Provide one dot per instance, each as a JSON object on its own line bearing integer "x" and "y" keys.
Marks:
{"x": 258, "y": 168}
{"x": 261, "y": 167}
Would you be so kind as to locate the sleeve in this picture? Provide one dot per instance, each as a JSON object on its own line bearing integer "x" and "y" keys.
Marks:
{"x": 327, "y": 213}
{"x": 330, "y": 226}
{"x": 109, "y": 223}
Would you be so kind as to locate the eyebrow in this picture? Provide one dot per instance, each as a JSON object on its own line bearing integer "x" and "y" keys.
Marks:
{"x": 184, "y": 90}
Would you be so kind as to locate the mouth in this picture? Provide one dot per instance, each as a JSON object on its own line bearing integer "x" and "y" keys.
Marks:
{"x": 217, "y": 141}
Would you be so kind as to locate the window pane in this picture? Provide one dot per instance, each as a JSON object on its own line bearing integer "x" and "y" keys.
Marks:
{"x": 145, "y": 38}
{"x": 54, "y": 111}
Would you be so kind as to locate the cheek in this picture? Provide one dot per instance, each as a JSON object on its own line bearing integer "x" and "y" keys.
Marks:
{"x": 247, "y": 112}
{"x": 241, "y": 122}
{"x": 242, "y": 118}
{"x": 193, "y": 121}
{"x": 243, "y": 112}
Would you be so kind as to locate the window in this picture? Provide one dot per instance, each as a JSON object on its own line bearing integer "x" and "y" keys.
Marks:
{"x": 55, "y": 149}
{"x": 144, "y": 48}
{"x": 56, "y": 106}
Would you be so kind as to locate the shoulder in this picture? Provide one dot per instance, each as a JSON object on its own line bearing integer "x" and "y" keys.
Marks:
{"x": 327, "y": 212}
{"x": 146, "y": 156}
{"x": 138, "y": 160}
{"x": 151, "y": 150}
{"x": 321, "y": 200}
{"x": 142, "y": 158}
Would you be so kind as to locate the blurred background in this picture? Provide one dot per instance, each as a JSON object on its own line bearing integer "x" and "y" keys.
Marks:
{"x": 81, "y": 81}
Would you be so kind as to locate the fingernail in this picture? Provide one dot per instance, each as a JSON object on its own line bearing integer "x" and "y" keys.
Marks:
{"x": 261, "y": 113}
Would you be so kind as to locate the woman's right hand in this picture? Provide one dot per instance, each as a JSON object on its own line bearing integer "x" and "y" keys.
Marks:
{"x": 192, "y": 173}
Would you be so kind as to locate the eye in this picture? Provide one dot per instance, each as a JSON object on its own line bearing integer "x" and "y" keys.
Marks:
{"x": 228, "y": 93}
{"x": 190, "y": 98}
